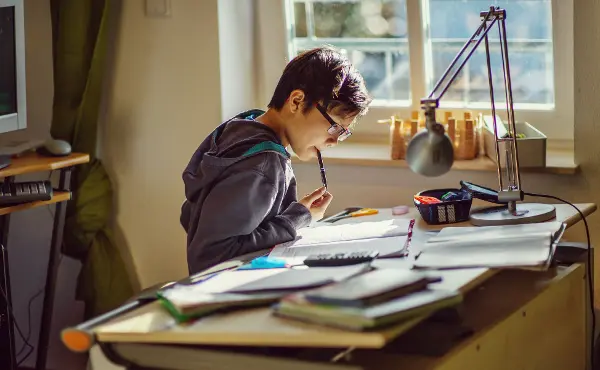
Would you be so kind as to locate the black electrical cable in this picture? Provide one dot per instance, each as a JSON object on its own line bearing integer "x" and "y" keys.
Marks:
{"x": 589, "y": 267}
{"x": 14, "y": 320}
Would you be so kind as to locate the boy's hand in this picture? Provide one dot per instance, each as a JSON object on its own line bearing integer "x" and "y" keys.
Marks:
{"x": 317, "y": 203}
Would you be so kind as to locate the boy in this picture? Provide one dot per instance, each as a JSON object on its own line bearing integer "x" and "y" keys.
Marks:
{"x": 239, "y": 185}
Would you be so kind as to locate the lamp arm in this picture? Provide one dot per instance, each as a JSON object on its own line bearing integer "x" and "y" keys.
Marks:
{"x": 430, "y": 103}
{"x": 426, "y": 151}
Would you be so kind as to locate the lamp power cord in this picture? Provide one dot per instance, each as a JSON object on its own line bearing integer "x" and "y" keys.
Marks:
{"x": 589, "y": 273}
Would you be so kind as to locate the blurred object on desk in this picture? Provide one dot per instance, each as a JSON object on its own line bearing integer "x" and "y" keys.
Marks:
{"x": 358, "y": 213}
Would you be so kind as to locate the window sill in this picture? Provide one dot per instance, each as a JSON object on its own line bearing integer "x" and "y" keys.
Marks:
{"x": 560, "y": 159}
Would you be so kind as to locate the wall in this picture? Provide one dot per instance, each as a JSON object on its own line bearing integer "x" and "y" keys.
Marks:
{"x": 163, "y": 98}
{"x": 236, "y": 55}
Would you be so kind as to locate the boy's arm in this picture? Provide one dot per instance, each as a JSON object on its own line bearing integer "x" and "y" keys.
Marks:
{"x": 232, "y": 220}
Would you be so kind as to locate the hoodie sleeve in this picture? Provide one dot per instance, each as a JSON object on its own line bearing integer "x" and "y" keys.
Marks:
{"x": 233, "y": 220}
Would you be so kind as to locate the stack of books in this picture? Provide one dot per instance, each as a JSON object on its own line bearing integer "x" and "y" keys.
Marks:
{"x": 240, "y": 289}
{"x": 368, "y": 301}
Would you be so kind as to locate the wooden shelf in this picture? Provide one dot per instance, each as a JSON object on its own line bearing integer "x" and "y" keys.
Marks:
{"x": 558, "y": 161}
{"x": 33, "y": 162}
{"x": 58, "y": 196}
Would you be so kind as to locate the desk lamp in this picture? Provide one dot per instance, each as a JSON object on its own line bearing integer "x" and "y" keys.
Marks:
{"x": 431, "y": 153}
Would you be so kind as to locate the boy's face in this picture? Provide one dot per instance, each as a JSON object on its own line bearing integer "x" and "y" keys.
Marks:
{"x": 310, "y": 131}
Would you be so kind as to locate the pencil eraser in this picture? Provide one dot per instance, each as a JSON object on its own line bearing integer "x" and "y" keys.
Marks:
{"x": 399, "y": 210}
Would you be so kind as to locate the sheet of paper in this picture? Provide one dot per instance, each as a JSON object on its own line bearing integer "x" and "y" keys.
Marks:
{"x": 529, "y": 250}
{"x": 475, "y": 233}
{"x": 385, "y": 246}
{"x": 492, "y": 256}
{"x": 354, "y": 231}
{"x": 526, "y": 241}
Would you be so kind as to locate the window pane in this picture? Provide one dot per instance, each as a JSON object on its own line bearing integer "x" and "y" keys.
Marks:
{"x": 400, "y": 76}
{"x": 372, "y": 33}
{"x": 531, "y": 83}
{"x": 452, "y": 22}
{"x": 372, "y": 67}
{"x": 442, "y": 57}
{"x": 300, "y": 20}
{"x": 366, "y": 19}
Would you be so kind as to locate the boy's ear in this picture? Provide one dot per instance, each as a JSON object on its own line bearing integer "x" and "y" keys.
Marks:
{"x": 296, "y": 100}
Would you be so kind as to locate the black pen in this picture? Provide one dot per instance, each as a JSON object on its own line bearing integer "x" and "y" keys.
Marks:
{"x": 322, "y": 167}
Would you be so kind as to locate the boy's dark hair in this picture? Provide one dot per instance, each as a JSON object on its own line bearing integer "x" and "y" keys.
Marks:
{"x": 324, "y": 75}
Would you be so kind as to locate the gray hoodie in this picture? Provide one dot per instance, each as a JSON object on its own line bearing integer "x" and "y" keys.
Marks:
{"x": 240, "y": 194}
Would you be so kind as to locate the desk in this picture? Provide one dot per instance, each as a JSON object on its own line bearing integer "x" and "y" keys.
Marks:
{"x": 25, "y": 164}
{"x": 258, "y": 328}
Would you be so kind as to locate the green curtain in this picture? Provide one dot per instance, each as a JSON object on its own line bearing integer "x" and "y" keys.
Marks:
{"x": 80, "y": 30}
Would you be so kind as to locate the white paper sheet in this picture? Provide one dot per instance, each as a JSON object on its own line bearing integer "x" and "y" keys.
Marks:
{"x": 466, "y": 234}
{"x": 527, "y": 252}
{"x": 491, "y": 247}
{"x": 385, "y": 247}
{"x": 387, "y": 237}
{"x": 354, "y": 231}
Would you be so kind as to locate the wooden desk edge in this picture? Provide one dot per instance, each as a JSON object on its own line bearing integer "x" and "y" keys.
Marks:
{"x": 586, "y": 209}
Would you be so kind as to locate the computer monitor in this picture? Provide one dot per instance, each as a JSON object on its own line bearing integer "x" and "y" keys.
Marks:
{"x": 13, "y": 104}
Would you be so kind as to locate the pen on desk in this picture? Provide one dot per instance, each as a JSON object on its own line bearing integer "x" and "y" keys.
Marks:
{"x": 322, "y": 168}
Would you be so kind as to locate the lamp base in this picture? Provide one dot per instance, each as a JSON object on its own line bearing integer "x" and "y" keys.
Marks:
{"x": 527, "y": 213}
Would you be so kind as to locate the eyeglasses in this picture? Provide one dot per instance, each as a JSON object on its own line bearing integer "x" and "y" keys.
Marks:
{"x": 336, "y": 129}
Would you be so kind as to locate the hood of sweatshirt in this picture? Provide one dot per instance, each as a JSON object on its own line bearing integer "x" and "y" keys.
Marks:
{"x": 233, "y": 141}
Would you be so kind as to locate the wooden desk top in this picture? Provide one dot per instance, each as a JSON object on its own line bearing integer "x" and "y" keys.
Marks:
{"x": 257, "y": 327}
{"x": 33, "y": 162}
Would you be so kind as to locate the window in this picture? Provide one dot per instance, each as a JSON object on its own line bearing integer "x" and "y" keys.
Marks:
{"x": 372, "y": 34}
{"x": 451, "y": 23}
{"x": 402, "y": 47}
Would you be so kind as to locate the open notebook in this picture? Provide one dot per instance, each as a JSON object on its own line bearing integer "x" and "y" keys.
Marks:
{"x": 530, "y": 246}
{"x": 388, "y": 237}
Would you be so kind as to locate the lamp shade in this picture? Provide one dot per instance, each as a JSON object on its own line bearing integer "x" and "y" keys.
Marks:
{"x": 430, "y": 152}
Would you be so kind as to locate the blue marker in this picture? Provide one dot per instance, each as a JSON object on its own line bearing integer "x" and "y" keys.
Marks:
{"x": 264, "y": 262}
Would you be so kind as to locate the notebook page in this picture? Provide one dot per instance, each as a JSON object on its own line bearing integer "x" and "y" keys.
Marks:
{"x": 352, "y": 231}
{"x": 385, "y": 247}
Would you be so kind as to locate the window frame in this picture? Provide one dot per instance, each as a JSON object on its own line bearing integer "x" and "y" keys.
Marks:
{"x": 556, "y": 124}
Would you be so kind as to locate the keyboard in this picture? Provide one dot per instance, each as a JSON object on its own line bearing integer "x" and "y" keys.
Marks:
{"x": 24, "y": 192}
